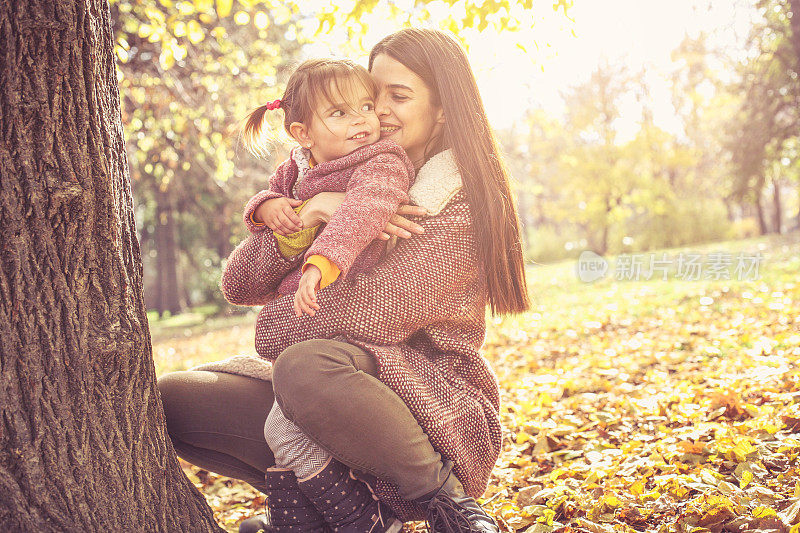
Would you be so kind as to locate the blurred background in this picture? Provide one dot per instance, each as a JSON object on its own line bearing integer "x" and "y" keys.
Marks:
{"x": 631, "y": 128}
{"x": 628, "y": 126}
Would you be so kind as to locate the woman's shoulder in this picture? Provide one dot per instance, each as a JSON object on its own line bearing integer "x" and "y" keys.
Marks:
{"x": 438, "y": 183}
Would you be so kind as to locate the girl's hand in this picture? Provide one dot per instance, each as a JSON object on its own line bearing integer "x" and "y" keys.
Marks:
{"x": 305, "y": 299}
{"x": 278, "y": 214}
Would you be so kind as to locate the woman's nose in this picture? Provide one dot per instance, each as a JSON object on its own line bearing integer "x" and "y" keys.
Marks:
{"x": 381, "y": 106}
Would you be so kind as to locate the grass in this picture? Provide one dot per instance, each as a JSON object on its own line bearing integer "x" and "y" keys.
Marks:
{"x": 689, "y": 388}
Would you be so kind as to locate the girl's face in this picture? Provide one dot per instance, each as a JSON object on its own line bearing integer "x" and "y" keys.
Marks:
{"x": 404, "y": 107}
{"x": 338, "y": 128}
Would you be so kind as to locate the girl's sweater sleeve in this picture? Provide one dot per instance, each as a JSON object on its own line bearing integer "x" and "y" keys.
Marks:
{"x": 254, "y": 270}
{"x": 425, "y": 280}
{"x": 374, "y": 192}
{"x": 279, "y": 186}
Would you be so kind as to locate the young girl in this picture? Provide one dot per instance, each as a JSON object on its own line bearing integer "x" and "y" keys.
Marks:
{"x": 330, "y": 111}
{"x": 329, "y": 108}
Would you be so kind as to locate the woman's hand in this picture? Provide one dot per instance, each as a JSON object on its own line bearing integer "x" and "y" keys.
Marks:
{"x": 321, "y": 207}
{"x": 400, "y": 226}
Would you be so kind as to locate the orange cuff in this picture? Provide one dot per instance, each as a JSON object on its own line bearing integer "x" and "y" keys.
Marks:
{"x": 253, "y": 221}
{"x": 330, "y": 272}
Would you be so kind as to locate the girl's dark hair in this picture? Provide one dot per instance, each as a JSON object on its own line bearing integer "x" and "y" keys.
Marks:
{"x": 312, "y": 81}
{"x": 442, "y": 64}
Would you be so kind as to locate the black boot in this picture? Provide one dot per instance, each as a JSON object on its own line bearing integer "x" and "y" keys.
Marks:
{"x": 450, "y": 510}
{"x": 288, "y": 509}
{"x": 347, "y": 503}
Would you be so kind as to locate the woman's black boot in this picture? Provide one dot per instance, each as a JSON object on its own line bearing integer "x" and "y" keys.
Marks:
{"x": 450, "y": 510}
{"x": 288, "y": 509}
{"x": 347, "y": 503}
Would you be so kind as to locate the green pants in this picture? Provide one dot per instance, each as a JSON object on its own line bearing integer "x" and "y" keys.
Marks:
{"x": 329, "y": 389}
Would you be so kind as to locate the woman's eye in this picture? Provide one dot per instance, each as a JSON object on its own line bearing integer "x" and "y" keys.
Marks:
{"x": 399, "y": 97}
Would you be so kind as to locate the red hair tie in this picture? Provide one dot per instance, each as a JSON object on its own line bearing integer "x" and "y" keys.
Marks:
{"x": 275, "y": 104}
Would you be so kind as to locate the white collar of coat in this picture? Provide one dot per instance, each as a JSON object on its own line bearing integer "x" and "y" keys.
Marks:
{"x": 436, "y": 183}
{"x": 302, "y": 158}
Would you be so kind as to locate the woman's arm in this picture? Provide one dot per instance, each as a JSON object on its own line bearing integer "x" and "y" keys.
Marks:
{"x": 425, "y": 280}
{"x": 279, "y": 186}
{"x": 254, "y": 270}
{"x": 256, "y": 267}
{"x": 321, "y": 207}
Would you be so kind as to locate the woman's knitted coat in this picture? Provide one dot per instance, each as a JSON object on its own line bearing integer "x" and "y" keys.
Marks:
{"x": 420, "y": 312}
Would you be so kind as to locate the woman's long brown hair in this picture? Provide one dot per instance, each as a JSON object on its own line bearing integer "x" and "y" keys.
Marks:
{"x": 442, "y": 64}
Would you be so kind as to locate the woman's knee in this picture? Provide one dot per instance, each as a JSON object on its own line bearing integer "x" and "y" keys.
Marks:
{"x": 293, "y": 368}
{"x": 300, "y": 369}
{"x": 176, "y": 390}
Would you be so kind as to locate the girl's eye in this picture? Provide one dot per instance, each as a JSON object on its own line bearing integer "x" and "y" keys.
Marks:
{"x": 399, "y": 97}
{"x": 368, "y": 107}
{"x": 338, "y": 113}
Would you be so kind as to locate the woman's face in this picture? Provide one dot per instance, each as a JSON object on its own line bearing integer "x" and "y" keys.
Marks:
{"x": 404, "y": 107}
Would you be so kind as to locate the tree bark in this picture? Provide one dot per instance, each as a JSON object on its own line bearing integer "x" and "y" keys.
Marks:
{"x": 166, "y": 256}
{"x": 795, "y": 36}
{"x": 762, "y": 221}
{"x": 777, "y": 214}
{"x": 83, "y": 442}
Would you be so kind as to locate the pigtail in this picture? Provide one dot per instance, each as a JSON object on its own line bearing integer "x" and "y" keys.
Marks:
{"x": 251, "y": 133}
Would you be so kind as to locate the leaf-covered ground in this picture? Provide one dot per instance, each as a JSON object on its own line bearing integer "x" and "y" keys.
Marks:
{"x": 628, "y": 405}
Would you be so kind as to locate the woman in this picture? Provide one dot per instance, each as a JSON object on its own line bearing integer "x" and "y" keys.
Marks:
{"x": 391, "y": 356}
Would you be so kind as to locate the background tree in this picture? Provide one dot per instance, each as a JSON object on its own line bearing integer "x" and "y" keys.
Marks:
{"x": 83, "y": 445}
{"x": 179, "y": 117}
{"x": 764, "y": 133}
{"x": 600, "y": 177}
{"x": 599, "y": 173}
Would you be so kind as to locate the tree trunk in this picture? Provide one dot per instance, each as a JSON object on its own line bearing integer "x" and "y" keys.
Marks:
{"x": 603, "y": 248}
{"x": 795, "y": 37}
{"x": 83, "y": 443}
{"x": 797, "y": 217}
{"x": 762, "y": 221}
{"x": 606, "y": 228}
{"x": 158, "y": 238}
{"x": 728, "y": 209}
{"x": 166, "y": 256}
{"x": 777, "y": 215}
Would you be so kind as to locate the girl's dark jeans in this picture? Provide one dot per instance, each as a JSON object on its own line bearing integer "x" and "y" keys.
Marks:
{"x": 329, "y": 389}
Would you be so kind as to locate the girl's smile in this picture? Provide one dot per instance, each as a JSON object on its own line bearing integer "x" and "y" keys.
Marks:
{"x": 360, "y": 136}
{"x": 340, "y": 127}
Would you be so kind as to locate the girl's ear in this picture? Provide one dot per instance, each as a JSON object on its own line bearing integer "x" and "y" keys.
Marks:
{"x": 300, "y": 134}
{"x": 440, "y": 116}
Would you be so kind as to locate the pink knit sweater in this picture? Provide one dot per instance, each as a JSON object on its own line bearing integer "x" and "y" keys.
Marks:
{"x": 375, "y": 179}
{"x": 420, "y": 312}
